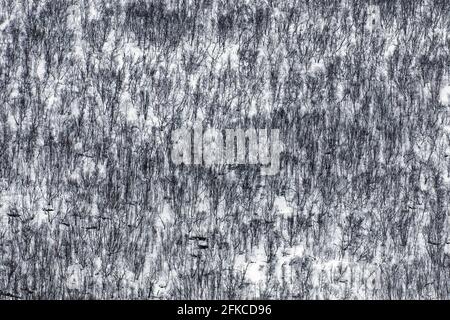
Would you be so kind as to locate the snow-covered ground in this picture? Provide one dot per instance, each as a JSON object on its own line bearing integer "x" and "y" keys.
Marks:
{"x": 91, "y": 205}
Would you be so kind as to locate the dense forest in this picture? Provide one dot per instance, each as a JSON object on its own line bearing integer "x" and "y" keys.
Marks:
{"x": 92, "y": 207}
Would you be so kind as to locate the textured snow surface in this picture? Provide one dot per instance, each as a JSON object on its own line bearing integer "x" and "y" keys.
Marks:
{"x": 92, "y": 207}
{"x": 444, "y": 96}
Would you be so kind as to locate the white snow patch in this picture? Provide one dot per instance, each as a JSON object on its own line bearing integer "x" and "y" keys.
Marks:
{"x": 282, "y": 208}
{"x": 317, "y": 68}
{"x": 165, "y": 217}
{"x": 133, "y": 51}
{"x": 88, "y": 167}
{"x": 390, "y": 50}
{"x": 12, "y": 122}
{"x": 4, "y": 25}
{"x": 75, "y": 277}
{"x": 101, "y": 171}
{"x": 40, "y": 69}
{"x": 373, "y": 17}
{"x": 132, "y": 115}
{"x": 254, "y": 267}
{"x": 444, "y": 96}
{"x": 78, "y": 147}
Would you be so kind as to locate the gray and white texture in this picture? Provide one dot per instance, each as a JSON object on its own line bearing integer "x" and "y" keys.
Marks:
{"x": 93, "y": 207}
